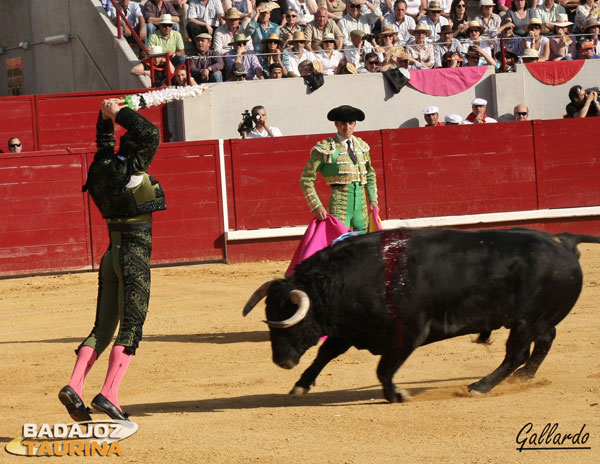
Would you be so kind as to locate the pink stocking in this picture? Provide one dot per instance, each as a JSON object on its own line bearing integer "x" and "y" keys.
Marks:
{"x": 118, "y": 363}
{"x": 86, "y": 357}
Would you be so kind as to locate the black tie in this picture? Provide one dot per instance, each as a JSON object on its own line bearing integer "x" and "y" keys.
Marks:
{"x": 351, "y": 152}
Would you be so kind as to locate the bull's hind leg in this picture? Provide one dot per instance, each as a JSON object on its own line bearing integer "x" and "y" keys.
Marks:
{"x": 517, "y": 353}
{"x": 331, "y": 349}
{"x": 541, "y": 348}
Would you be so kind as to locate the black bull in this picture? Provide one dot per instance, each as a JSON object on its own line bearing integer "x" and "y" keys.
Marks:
{"x": 393, "y": 291}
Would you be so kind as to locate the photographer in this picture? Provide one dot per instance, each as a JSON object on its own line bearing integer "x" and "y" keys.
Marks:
{"x": 258, "y": 118}
{"x": 584, "y": 103}
{"x": 353, "y": 19}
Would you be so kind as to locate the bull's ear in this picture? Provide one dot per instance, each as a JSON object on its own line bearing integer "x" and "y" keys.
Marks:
{"x": 258, "y": 295}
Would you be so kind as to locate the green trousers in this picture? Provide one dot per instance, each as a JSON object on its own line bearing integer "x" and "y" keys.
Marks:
{"x": 123, "y": 291}
{"x": 348, "y": 203}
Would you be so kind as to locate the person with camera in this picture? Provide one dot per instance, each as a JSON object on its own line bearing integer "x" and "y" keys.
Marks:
{"x": 254, "y": 125}
{"x": 354, "y": 20}
{"x": 584, "y": 103}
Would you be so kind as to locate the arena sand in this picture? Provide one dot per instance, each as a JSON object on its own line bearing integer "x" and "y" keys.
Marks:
{"x": 203, "y": 388}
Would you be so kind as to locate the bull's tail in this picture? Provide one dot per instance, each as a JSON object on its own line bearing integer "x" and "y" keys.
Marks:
{"x": 572, "y": 240}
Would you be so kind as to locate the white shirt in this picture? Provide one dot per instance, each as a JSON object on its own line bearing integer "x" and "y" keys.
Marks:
{"x": 304, "y": 15}
{"x": 330, "y": 63}
{"x": 255, "y": 134}
{"x": 208, "y": 13}
{"x": 295, "y": 61}
{"x": 134, "y": 11}
{"x": 401, "y": 29}
{"x": 435, "y": 28}
{"x": 364, "y": 23}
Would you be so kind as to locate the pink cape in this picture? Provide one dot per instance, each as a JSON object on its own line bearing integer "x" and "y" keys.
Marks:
{"x": 318, "y": 235}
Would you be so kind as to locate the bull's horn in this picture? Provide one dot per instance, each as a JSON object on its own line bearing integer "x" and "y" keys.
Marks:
{"x": 303, "y": 301}
{"x": 258, "y": 295}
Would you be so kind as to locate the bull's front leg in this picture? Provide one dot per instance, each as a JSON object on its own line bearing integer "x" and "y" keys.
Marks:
{"x": 389, "y": 363}
{"x": 331, "y": 349}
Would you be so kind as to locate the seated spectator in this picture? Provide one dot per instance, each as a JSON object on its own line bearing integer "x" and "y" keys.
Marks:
{"x": 536, "y": 40}
{"x": 434, "y": 20}
{"x": 133, "y": 13}
{"x": 335, "y": 9}
{"x": 305, "y": 9}
{"x": 168, "y": 39}
{"x": 181, "y": 78}
{"x": 584, "y": 12}
{"x": 478, "y": 115}
{"x": 511, "y": 61}
{"x": 238, "y": 73}
{"x": 521, "y": 112}
{"x": 521, "y": 16}
{"x": 224, "y": 34}
{"x": 14, "y": 145}
{"x": 431, "y": 114}
{"x": 274, "y": 54}
{"x": 416, "y": 9}
{"x": 420, "y": 50}
{"x": 371, "y": 64}
{"x": 207, "y": 65}
{"x": 507, "y": 32}
{"x": 488, "y": 19}
{"x": 278, "y": 9}
{"x": 406, "y": 61}
{"x": 159, "y": 60}
{"x": 358, "y": 48}
{"x": 261, "y": 127}
{"x": 275, "y": 71}
{"x": 400, "y": 22}
{"x": 261, "y": 26}
{"x": 298, "y": 54}
{"x": 452, "y": 119}
{"x": 241, "y": 54}
{"x": 583, "y": 104}
{"x": 286, "y": 32}
{"x": 328, "y": 55}
{"x": 586, "y": 50}
{"x": 451, "y": 59}
{"x": 477, "y": 56}
{"x": 354, "y": 20}
{"x": 388, "y": 45}
{"x": 153, "y": 10}
{"x": 529, "y": 56}
{"x": 474, "y": 31}
{"x": 245, "y": 7}
{"x": 447, "y": 43}
{"x": 306, "y": 68}
{"x": 321, "y": 25}
{"x": 592, "y": 28}
{"x": 548, "y": 12}
{"x": 562, "y": 44}
{"x": 459, "y": 18}
{"x": 204, "y": 16}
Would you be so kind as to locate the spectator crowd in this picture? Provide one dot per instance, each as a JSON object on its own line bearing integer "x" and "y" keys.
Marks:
{"x": 272, "y": 38}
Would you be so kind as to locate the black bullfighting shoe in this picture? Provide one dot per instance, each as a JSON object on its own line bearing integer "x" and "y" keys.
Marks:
{"x": 101, "y": 403}
{"x": 74, "y": 404}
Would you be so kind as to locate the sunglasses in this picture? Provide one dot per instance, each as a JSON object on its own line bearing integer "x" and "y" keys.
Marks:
{"x": 355, "y": 6}
{"x": 461, "y": 6}
{"x": 372, "y": 62}
{"x": 166, "y": 25}
{"x": 291, "y": 16}
{"x": 521, "y": 113}
{"x": 14, "y": 145}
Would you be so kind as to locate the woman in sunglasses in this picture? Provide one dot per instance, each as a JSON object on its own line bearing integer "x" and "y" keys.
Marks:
{"x": 459, "y": 18}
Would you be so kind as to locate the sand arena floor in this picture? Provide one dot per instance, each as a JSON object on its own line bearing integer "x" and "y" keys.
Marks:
{"x": 203, "y": 388}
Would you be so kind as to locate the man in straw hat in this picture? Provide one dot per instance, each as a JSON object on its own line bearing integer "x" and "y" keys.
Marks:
{"x": 153, "y": 10}
{"x": 344, "y": 162}
{"x": 434, "y": 20}
{"x": 260, "y": 26}
{"x": 421, "y": 50}
{"x": 223, "y": 35}
{"x": 592, "y": 27}
{"x": 548, "y": 13}
{"x": 298, "y": 53}
{"x": 488, "y": 19}
{"x": 562, "y": 43}
{"x": 354, "y": 20}
{"x": 321, "y": 25}
{"x": 241, "y": 54}
{"x": 447, "y": 43}
{"x": 207, "y": 65}
{"x": 170, "y": 40}
{"x": 204, "y": 16}
{"x": 400, "y": 21}
{"x": 328, "y": 55}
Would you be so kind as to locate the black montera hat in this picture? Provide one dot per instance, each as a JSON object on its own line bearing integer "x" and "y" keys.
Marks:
{"x": 346, "y": 113}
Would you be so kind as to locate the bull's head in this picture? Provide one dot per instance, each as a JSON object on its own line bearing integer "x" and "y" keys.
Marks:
{"x": 286, "y": 308}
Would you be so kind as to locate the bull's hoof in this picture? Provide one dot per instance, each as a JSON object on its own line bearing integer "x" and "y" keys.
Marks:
{"x": 299, "y": 391}
{"x": 397, "y": 396}
{"x": 478, "y": 389}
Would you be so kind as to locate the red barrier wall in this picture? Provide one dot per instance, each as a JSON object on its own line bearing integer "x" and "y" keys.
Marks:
{"x": 48, "y": 224}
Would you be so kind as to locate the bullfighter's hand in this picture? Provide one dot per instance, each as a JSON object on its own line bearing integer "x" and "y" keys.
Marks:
{"x": 320, "y": 213}
{"x": 111, "y": 107}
